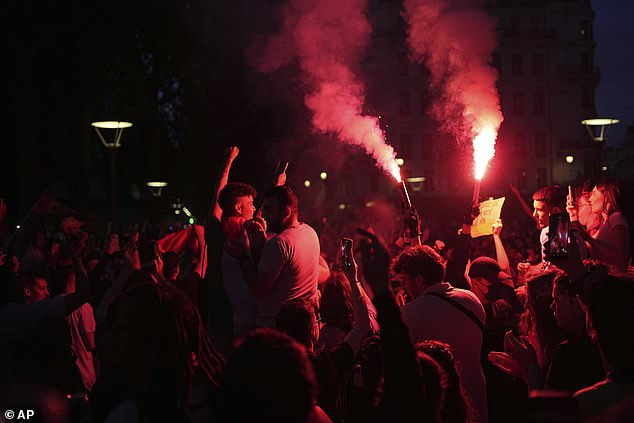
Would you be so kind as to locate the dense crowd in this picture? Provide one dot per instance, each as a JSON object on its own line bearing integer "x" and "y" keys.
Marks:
{"x": 253, "y": 317}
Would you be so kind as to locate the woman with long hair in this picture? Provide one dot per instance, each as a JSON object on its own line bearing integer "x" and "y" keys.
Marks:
{"x": 611, "y": 242}
{"x": 335, "y": 311}
{"x": 172, "y": 370}
{"x": 528, "y": 356}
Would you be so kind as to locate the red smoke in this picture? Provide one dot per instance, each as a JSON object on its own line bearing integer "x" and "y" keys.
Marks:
{"x": 328, "y": 37}
{"x": 455, "y": 40}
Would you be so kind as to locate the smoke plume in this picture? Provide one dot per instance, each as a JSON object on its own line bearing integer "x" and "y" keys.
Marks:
{"x": 327, "y": 38}
{"x": 455, "y": 38}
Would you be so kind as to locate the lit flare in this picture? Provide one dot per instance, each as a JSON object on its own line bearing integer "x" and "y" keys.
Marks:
{"x": 483, "y": 149}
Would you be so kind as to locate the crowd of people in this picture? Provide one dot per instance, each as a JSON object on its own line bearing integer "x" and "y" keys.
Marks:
{"x": 247, "y": 319}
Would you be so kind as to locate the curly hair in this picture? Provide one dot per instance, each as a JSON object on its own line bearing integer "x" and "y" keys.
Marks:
{"x": 420, "y": 260}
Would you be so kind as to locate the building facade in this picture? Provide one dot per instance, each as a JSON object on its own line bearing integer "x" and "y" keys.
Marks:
{"x": 547, "y": 81}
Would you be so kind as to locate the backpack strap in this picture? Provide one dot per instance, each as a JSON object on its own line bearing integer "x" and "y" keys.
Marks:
{"x": 460, "y": 307}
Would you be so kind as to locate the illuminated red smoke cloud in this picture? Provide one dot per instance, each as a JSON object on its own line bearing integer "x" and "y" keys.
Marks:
{"x": 328, "y": 38}
{"x": 455, "y": 38}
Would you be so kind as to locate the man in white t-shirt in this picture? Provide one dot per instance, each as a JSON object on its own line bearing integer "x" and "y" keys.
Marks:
{"x": 288, "y": 263}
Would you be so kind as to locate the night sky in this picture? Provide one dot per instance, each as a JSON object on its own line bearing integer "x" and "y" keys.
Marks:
{"x": 614, "y": 35}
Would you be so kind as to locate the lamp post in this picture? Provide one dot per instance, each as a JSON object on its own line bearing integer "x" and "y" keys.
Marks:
{"x": 598, "y": 130}
{"x": 156, "y": 187}
{"x": 111, "y": 145}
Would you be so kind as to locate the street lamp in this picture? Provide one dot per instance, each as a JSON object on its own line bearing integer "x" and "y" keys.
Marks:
{"x": 156, "y": 187}
{"x": 598, "y": 128}
{"x": 570, "y": 159}
{"x": 323, "y": 176}
{"x": 112, "y": 145}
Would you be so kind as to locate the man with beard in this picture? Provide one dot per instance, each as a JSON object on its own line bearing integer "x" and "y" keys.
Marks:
{"x": 284, "y": 268}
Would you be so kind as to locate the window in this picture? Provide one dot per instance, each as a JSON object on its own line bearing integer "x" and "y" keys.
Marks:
{"x": 541, "y": 149}
{"x": 402, "y": 64}
{"x": 370, "y": 101}
{"x": 515, "y": 25}
{"x": 542, "y": 177}
{"x": 429, "y": 184}
{"x": 374, "y": 181}
{"x": 427, "y": 146}
{"x": 517, "y": 65}
{"x": 519, "y": 139}
{"x": 538, "y": 64}
{"x": 405, "y": 147}
{"x": 404, "y": 106}
{"x": 584, "y": 30}
{"x": 585, "y": 64}
{"x": 424, "y": 101}
{"x": 539, "y": 103}
{"x": 587, "y": 97}
{"x": 521, "y": 180}
{"x": 497, "y": 62}
{"x": 518, "y": 103}
{"x": 535, "y": 25}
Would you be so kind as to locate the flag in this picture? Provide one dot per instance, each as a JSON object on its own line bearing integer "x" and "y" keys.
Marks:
{"x": 185, "y": 239}
{"x": 47, "y": 205}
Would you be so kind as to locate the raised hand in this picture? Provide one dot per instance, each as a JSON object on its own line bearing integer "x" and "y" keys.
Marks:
{"x": 375, "y": 259}
{"x": 497, "y": 227}
{"x": 507, "y": 364}
{"x": 572, "y": 209}
{"x": 411, "y": 220}
{"x": 520, "y": 350}
{"x": 514, "y": 190}
{"x": 472, "y": 212}
{"x": 231, "y": 153}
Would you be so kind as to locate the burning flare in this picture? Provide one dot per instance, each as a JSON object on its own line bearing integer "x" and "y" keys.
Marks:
{"x": 483, "y": 149}
{"x": 328, "y": 36}
{"x": 455, "y": 40}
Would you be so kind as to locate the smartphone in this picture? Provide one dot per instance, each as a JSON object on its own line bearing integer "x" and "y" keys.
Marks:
{"x": 571, "y": 194}
{"x": 346, "y": 252}
{"x": 558, "y": 243}
{"x": 281, "y": 168}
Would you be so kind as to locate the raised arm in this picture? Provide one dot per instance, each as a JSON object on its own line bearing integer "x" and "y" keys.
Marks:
{"x": 361, "y": 317}
{"x": 221, "y": 181}
{"x": 403, "y": 388}
{"x": 614, "y": 253}
{"x": 116, "y": 288}
{"x": 525, "y": 207}
{"x": 82, "y": 288}
{"x": 500, "y": 252}
{"x": 457, "y": 263}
